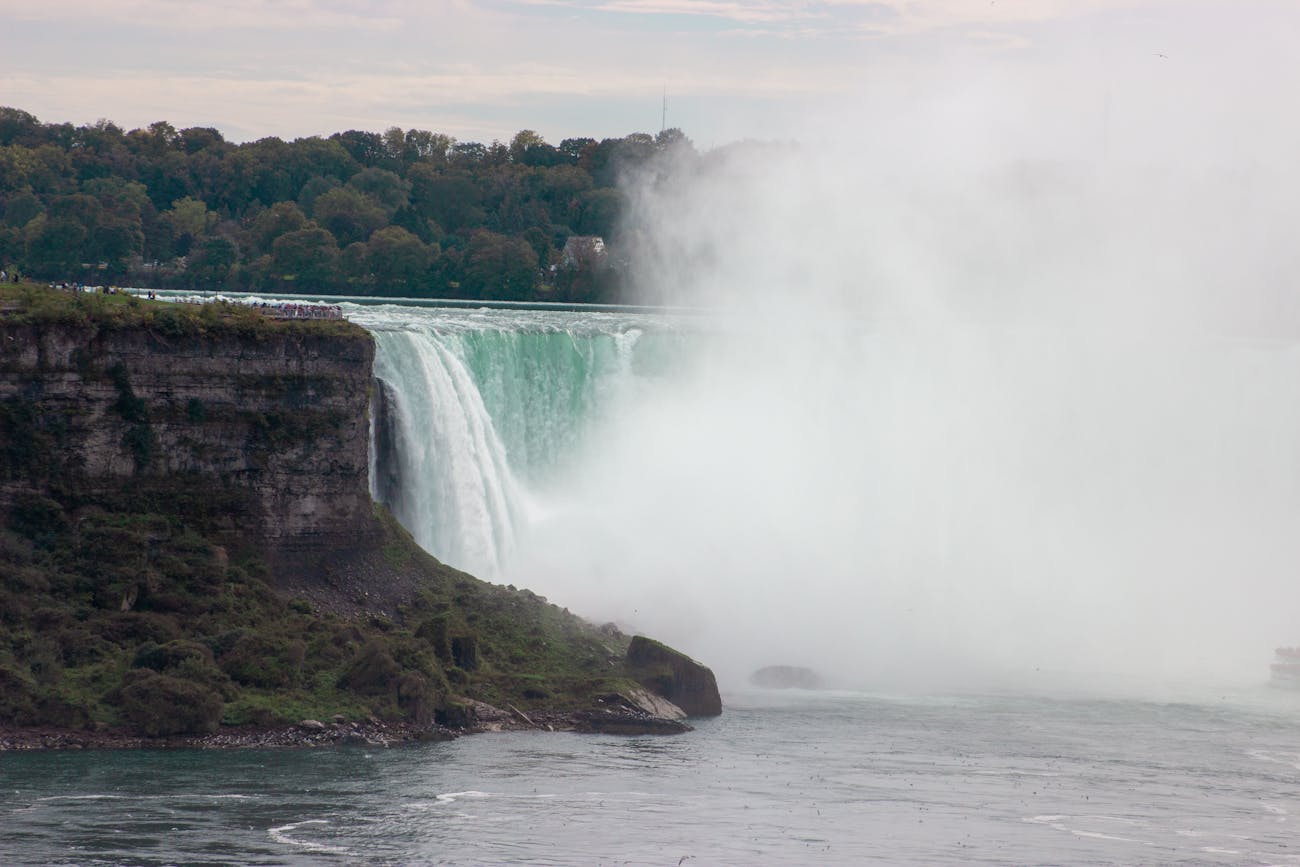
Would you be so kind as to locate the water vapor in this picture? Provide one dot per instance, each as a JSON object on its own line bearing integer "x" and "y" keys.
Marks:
{"x": 1001, "y": 389}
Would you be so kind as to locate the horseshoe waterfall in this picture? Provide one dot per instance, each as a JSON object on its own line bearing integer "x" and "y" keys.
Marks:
{"x": 477, "y": 414}
{"x": 948, "y": 505}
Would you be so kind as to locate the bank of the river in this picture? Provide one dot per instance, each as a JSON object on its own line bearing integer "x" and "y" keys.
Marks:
{"x": 614, "y": 717}
{"x": 189, "y": 549}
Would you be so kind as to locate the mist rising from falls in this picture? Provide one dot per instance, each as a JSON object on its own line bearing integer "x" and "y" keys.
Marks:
{"x": 947, "y": 506}
{"x": 977, "y": 408}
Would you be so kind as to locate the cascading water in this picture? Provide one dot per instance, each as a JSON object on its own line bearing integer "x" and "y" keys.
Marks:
{"x": 479, "y": 411}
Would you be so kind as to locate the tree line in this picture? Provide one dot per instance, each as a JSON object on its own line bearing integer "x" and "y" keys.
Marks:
{"x": 398, "y": 213}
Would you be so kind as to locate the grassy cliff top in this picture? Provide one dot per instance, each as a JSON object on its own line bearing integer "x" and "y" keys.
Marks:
{"x": 34, "y": 304}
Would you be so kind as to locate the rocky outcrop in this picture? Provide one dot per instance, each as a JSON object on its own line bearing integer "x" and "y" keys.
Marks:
{"x": 674, "y": 676}
{"x": 273, "y": 428}
{"x": 786, "y": 677}
{"x": 647, "y": 702}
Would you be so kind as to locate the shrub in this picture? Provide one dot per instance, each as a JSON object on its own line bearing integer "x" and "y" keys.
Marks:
{"x": 160, "y": 658}
{"x": 80, "y": 646}
{"x": 158, "y": 704}
{"x": 132, "y": 627}
{"x": 38, "y": 518}
{"x": 464, "y": 652}
{"x": 53, "y": 708}
{"x": 265, "y": 661}
{"x": 373, "y": 672}
{"x": 434, "y": 631}
{"x": 417, "y": 697}
{"x": 17, "y": 694}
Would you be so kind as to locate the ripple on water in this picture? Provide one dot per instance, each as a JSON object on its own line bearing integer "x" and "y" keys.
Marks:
{"x": 282, "y": 835}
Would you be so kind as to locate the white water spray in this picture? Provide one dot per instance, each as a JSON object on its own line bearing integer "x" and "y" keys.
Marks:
{"x": 982, "y": 407}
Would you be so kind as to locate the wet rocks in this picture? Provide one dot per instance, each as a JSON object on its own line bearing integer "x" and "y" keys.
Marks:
{"x": 673, "y": 675}
{"x": 642, "y": 701}
{"x": 625, "y": 722}
{"x": 366, "y": 734}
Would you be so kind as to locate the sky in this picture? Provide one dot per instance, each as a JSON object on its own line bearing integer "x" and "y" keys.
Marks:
{"x": 484, "y": 69}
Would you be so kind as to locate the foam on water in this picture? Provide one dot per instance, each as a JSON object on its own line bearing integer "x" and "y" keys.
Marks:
{"x": 281, "y": 835}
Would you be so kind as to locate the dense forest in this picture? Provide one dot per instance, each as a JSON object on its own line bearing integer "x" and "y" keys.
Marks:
{"x": 399, "y": 213}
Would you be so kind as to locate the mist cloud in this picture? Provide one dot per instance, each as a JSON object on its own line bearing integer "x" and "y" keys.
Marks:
{"x": 984, "y": 405}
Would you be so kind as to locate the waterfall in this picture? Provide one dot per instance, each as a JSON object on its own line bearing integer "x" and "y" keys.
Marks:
{"x": 477, "y": 412}
{"x": 457, "y": 495}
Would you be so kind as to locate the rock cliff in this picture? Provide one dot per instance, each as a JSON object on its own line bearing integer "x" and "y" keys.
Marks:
{"x": 274, "y": 425}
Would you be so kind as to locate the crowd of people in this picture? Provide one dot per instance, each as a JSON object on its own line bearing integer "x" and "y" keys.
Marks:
{"x": 300, "y": 311}
{"x": 83, "y": 287}
{"x": 273, "y": 309}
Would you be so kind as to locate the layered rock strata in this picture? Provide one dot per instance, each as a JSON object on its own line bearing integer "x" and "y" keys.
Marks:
{"x": 277, "y": 425}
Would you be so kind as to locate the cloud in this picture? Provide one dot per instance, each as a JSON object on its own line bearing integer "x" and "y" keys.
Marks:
{"x": 214, "y": 15}
{"x": 456, "y": 99}
{"x": 893, "y": 17}
{"x": 484, "y": 69}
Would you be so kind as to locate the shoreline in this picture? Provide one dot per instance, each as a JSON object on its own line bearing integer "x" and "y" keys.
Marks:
{"x": 313, "y": 733}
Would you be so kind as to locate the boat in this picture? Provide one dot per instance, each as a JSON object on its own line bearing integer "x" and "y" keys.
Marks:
{"x": 1286, "y": 668}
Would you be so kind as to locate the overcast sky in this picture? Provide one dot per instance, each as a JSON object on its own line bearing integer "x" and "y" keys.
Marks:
{"x": 484, "y": 69}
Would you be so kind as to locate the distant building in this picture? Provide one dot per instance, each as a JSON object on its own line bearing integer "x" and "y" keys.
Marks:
{"x": 582, "y": 252}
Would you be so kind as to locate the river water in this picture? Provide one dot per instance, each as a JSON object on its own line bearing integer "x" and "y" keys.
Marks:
{"x": 780, "y": 778}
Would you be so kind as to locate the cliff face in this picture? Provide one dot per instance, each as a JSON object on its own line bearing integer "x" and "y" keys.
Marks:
{"x": 269, "y": 430}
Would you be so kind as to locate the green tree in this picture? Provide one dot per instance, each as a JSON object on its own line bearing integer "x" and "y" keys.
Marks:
{"x": 498, "y": 266}
{"x": 354, "y": 268}
{"x": 315, "y": 188}
{"x": 386, "y": 188}
{"x": 280, "y": 218}
{"x": 18, "y": 127}
{"x": 306, "y": 259}
{"x": 528, "y": 148}
{"x": 212, "y": 262}
{"x": 190, "y": 221}
{"x": 398, "y": 260}
{"x": 599, "y": 212}
{"x": 21, "y": 208}
{"x": 428, "y": 146}
{"x": 116, "y": 241}
{"x": 452, "y": 201}
{"x": 56, "y": 246}
{"x": 349, "y": 215}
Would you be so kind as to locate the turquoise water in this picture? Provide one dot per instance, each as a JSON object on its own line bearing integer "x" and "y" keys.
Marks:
{"x": 494, "y": 406}
{"x": 778, "y": 779}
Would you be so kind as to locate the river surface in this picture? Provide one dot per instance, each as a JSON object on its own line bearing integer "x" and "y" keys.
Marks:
{"x": 780, "y": 778}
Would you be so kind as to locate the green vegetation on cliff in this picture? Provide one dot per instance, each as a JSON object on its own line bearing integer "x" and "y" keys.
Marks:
{"x": 112, "y": 618}
{"x": 32, "y": 304}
